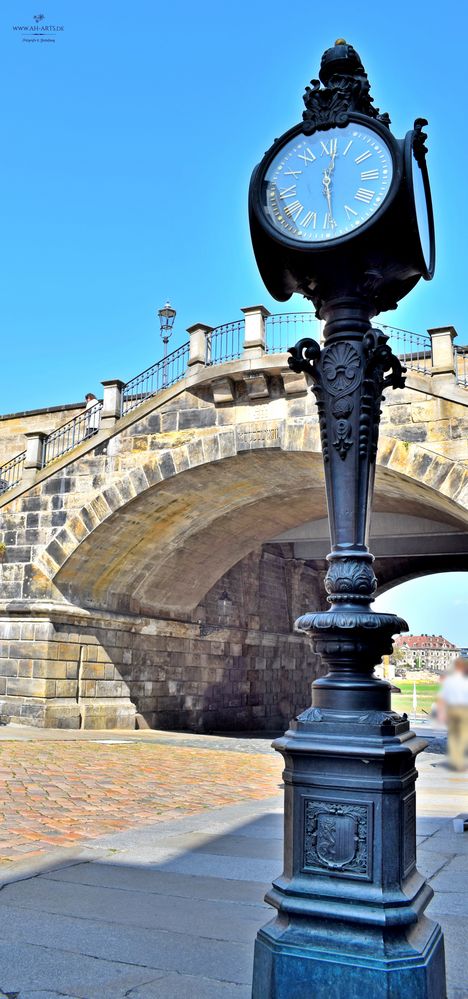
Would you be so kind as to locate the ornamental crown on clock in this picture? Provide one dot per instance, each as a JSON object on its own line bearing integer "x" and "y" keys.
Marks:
{"x": 322, "y": 186}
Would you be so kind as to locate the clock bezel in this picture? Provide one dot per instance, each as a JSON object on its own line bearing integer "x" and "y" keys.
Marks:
{"x": 325, "y": 246}
{"x": 410, "y": 160}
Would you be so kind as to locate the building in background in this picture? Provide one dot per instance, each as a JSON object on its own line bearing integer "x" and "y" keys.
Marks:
{"x": 431, "y": 652}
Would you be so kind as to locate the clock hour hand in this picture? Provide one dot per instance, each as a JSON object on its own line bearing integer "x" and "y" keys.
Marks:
{"x": 327, "y": 191}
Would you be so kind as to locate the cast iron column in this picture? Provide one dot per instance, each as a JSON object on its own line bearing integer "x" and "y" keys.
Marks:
{"x": 350, "y": 901}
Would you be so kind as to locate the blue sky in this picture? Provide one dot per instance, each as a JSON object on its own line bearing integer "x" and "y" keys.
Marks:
{"x": 128, "y": 148}
{"x": 431, "y": 605}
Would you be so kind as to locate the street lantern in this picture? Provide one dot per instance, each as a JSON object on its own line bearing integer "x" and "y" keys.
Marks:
{"x": 166, "y": 322}
{"x": 340, "y": 211}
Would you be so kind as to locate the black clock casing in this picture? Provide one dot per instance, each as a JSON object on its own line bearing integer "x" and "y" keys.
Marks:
{"x": 382, "y": 259}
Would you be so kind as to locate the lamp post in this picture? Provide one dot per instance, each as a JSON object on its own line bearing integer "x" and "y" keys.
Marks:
{"x": 166, "y": 322}
{"x": 340, "y": 210}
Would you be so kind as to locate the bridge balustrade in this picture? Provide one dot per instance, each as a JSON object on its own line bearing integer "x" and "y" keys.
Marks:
{"x": 67, "y": 437}
{"x": 256, "y": 334}
{"x": 163, "y": 374}
{"x": 11, "y": 472}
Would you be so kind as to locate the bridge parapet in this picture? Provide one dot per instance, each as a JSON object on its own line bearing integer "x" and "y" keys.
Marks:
{"x": 248, "y": 340}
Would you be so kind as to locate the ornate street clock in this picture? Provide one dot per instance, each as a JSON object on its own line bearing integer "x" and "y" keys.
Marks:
{"x": 338, "y": 202}
{"x": 340, "y": 210}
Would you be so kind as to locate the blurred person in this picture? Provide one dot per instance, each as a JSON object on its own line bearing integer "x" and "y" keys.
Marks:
{"x": 453, "y": 709}
{"x": 93, "y": 416}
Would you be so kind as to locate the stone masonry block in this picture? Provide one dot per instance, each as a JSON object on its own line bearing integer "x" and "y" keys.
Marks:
{"x": 139, "y": 480}
{"x": 49, "y": 669}
{"x": 77, "y": 528}
{"x": 166, "y": 465}
{"x": 152, "y": 471}
{"x": 9, "y": 667}
{"x": 112, "y": 498}
{"x": 32, "y": 650}
{"x": 30, "y": 687}
{"x": 424, "y": 411}
{"x": 65, "y": 688}
{"x": 223, "y": 391}
{"x": 180, "y": 458}
{"x": 211, "y": 448}
{"x": 197, "y": 418}
{"x": 294, "y": 384}
{"x": 256, "y": 385}
{"x": 195, "y": 453}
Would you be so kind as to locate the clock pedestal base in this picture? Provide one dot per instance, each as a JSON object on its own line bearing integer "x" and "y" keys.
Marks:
{"x": 350, "y": 902}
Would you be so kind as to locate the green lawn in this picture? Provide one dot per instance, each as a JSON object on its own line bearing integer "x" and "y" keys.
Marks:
{"x": 426, "y": 692}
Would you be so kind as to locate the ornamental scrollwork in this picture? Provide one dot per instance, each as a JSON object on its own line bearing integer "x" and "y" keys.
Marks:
{"x": 304, "y": 354}
{"x": 379, "y": 359}
{"x": 343, "y": 93}
{"x": 419, "y": 140}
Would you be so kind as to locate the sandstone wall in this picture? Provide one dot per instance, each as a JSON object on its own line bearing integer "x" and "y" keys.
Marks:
{"x": 13, "y": 427}
{"x": 235, "y": 665}
{"x": 118, "y": 559}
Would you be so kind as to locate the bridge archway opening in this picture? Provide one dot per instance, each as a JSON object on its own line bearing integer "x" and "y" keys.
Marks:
{"x": 434, "y": 602}
{"x": 161, "y": 552}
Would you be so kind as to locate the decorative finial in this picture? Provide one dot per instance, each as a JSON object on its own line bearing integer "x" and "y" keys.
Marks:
{"x": 345, "y": 88}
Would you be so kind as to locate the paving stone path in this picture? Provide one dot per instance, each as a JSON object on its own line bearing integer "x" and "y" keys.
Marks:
{"x": 58, "y": 794}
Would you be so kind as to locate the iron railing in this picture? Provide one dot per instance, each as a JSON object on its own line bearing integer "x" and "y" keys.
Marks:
{"x": 413, "y": 349}
{"x": 225, "y": 343}
{"x": 461, "y": 365}
{"x": 11, "y": 472}
{"x": 159, "y": 376}
{"x": 284, "y": 330}
{"x": 77, "y": 430}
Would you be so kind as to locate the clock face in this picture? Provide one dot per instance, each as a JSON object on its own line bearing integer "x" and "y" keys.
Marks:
{"x": 321, "y": 187}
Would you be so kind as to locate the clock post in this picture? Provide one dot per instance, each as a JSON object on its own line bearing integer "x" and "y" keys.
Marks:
{"x": 340, "y": 210}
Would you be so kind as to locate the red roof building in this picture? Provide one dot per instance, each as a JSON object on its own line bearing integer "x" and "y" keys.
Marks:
{"x": 431, "y": 652}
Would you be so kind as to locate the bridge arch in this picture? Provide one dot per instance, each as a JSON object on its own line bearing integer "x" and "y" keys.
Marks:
{"x": 161, "y": 536}
{"x": 144, "y": 572}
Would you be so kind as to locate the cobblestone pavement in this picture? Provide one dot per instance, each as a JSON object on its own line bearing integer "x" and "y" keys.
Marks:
{"x": 60, "y": 793}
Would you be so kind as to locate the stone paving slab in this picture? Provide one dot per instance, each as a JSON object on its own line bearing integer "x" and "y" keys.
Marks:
{"x": 25, "y": 968}
{"x": 131, "y": 945}
{"x": 220, "y": 921}
{"x": 160, "y": 882}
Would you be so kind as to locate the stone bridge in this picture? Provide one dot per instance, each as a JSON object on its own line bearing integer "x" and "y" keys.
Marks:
{"x": 152, "y": 574}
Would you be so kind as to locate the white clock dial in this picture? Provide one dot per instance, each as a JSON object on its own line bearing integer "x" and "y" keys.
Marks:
{"x": 321, "y": 187}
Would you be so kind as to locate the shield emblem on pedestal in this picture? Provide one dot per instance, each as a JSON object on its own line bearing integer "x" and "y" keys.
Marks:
{"x": 336, "y": 838}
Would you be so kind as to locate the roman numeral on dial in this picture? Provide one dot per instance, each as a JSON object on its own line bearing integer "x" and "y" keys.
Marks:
{"x": 329, "y": 222}
{"x": 364, "y": 195}
{"x": 308, "y": 218}
{"x": 349, "y": 212}
{"x": 292, "y": 173}
{"x": 289, "y": 192}
{"x": 307, "y": 156}
{"x": 294, "y": 210}
{"x": 370, "y": 175}
{"x": 329, "y": 148}
{"x": 363, "y": 156}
